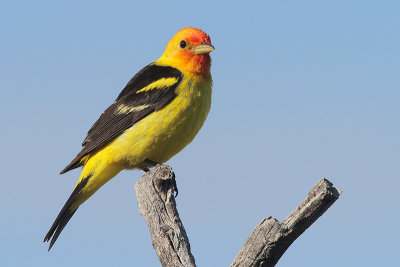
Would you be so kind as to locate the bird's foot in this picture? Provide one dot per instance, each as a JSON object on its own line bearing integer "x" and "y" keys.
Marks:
{"x": 153, "y": 163}
{"x": 150, "y": 162}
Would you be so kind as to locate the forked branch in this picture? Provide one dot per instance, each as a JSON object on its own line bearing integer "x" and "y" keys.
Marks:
{"x": 264, "y": 247}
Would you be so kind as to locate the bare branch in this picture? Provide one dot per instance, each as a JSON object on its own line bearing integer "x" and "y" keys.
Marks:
{"x": 270, "y": 239}
{"x": 155, "y": 194}
{"x": 264, "y": 247}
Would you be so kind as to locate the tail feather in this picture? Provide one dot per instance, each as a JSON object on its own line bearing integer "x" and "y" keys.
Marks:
{"x": 65, "y": 214}
{"x": 62, "y": 223}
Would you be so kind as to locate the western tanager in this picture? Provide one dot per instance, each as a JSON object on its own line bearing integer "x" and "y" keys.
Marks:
{"x": 156, "y": 115}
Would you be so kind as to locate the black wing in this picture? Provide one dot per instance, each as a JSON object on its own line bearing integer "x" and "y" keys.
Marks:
{"x": 149, "y": 90}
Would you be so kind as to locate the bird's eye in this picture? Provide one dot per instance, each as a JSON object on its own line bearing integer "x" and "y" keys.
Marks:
{"x": 182, "y": 44}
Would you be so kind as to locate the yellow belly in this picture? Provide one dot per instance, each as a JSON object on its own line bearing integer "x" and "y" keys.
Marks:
{"x": 164, "y": 133}
{"x": 157, "y": 137}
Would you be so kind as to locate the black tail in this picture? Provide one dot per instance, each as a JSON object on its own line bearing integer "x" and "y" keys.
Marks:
{"x": 65, "y": 214}
{"x": 59, "y": 224}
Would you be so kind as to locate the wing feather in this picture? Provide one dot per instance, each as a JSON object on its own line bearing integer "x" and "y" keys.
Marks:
{"x": 132, "y": 105}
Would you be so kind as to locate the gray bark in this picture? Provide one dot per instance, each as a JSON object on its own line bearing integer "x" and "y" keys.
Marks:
{"x": 270, "y": 239}
{"x": 264, "y": 247}
{"x": 155, "y": 194}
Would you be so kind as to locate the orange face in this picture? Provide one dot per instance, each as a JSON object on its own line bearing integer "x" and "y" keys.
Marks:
{"x": 189, "y": 50}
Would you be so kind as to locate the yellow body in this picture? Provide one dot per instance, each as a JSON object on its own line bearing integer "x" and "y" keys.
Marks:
{"x": 155, "y": 116}
{"x": 158, "y": 136}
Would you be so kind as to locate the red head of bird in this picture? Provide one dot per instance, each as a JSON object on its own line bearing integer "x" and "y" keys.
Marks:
{"x": 189, "y": 51}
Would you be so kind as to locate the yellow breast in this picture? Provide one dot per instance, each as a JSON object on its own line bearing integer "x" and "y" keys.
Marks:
{"x": 164, "y": 133}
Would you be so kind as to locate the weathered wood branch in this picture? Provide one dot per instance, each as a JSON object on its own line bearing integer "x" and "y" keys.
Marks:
{"x": 155, "y": 194}
{"x": 270, "y": 239}
{"x": 264, "y": 247}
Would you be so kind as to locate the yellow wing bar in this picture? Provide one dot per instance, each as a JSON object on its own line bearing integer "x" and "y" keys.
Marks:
{"x": 161, "y": 83}
{"x": 123, "y": 109}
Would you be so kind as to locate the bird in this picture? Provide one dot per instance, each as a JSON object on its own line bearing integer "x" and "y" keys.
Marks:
{"x": 158, "y": 113}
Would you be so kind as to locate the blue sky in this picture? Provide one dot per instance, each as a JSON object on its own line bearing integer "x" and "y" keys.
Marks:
{"x": 302, "y": 90}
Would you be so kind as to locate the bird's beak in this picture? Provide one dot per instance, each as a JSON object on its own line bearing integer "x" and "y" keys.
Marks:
{"x": 203, "y": 48}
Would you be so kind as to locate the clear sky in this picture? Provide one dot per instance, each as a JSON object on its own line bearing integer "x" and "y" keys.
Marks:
{"x": 302, "y": 90}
